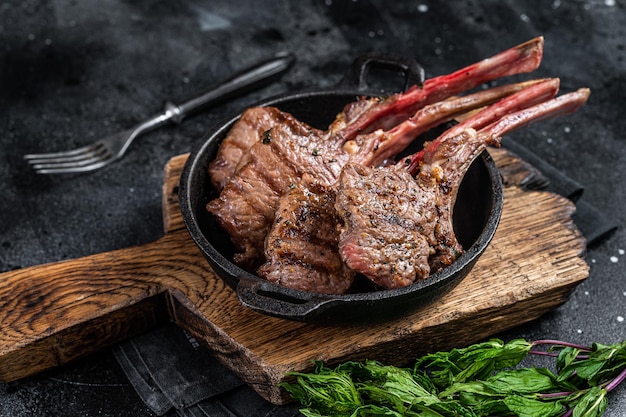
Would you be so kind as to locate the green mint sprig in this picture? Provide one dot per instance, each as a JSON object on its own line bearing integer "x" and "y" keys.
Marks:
{"x": 483, "y": 379}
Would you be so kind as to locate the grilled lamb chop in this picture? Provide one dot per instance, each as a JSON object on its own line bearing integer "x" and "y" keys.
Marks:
{"x": 396, "y": 229}
{"x": 251, "y": 127}
{"x": 303, "y": 242}
{"x": 295, "y": 255}
{"x": 378, "y": 237}
{"x": 369, "y": 114}
{"x": 277, "y": 160}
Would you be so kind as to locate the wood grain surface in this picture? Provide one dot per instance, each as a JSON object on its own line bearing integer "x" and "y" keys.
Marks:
{"x": 51, "y": 314}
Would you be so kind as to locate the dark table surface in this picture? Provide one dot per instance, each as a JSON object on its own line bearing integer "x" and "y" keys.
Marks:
{"x": 71, "y": 72}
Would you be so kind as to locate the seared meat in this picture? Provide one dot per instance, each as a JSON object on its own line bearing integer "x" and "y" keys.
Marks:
{"x": 246, "y": 132}
{"x": 278, "y": 159}
{"x": 389, "y": 249}
{"x": 395, "y": 226}
{"x": 395, "y": 229}
{"x": 324, "y": 206}
{"x": 392, "y": 224}
{"x": 302, "y": 249}
{"x": 252, "y": 127}
{"x": 246, "y": 206}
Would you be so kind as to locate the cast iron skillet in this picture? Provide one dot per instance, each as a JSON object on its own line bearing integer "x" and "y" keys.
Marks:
{"x": 476, "y": 216}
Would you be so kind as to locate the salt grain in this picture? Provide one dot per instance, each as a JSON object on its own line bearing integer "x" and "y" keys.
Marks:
{"x": 579, "y": 331}
{"x": 620, "y": 251}
{"x": 567, "y": 129}
{"x": 524, "y": 18}
{"x": 620, "y": 319}
{"x": 614, "y": 259}
{"x": 609, "y": 2}
{"x": 422, "y": 8}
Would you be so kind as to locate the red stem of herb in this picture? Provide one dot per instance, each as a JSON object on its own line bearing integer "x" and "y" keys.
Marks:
{"x": 616, "y": 381}
{"x": 560, "y": 343}
{"x": 554, "y": 354}
{"x": 556, "y": 394}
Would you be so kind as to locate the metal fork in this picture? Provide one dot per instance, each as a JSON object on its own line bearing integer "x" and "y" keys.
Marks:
{"x": 111, "y": 148}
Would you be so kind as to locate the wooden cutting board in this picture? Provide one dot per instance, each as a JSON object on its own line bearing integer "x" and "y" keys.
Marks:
{"x": 54, "y": 313}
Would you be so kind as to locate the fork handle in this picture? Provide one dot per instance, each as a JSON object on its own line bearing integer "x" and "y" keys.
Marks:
{"x": 245, "y": 80}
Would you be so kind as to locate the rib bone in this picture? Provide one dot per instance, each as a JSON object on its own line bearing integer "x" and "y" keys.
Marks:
{"x": 303, "y": 249}
{"x": 386, "y": 235}
{"x": 275, "y": 163}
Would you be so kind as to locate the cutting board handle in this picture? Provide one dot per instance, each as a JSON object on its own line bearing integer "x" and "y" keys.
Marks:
{"x": 51, "y": 314}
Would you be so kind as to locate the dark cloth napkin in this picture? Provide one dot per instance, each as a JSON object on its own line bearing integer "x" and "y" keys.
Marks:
{"x": 592, "y": 223}
{"x": 169, "y": 370}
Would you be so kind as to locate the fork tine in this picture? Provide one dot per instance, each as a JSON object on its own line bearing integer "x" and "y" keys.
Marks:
{"x": 68, "y": 168}
{"x": 62, "y": 154}
{"x": 73, "y": 157}
{"x": 69, "y": 164}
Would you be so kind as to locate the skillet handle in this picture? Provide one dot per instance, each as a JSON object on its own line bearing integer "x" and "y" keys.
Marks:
{"x": 357, "y": 74}
{"x": 278, "y": 301}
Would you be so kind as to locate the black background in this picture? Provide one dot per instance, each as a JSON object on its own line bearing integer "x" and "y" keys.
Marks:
{"x": 72, "y": 71}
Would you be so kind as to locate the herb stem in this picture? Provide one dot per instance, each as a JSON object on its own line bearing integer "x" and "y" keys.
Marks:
{"x": 541, "y": 353}
{"x": 482, "y": 379}
{"x": 556, "y": 394}
{"x": 560, "y": 343}
{"x": 554, "y": 354}
{"x": 616, "y": 381}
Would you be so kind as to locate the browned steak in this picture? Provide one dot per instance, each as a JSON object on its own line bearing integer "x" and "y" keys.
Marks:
{"x": 392, "y": 223}
{"x": 301, "y": 248}
{"x": 397, "y": 229}
{"x": 252, "y": 127}
{"x": 245, "y": 132}
{"x": 285, "y": 151}
{"x": 389, "y": 224}
{"x": 246, "y": 206}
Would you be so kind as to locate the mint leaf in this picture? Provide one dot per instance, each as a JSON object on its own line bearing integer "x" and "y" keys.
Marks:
{"x": 528, "y": 407}
{"x": 325, "y": 391}
{"x": 597, "y": 366}
{"x": 477, "y": 361}
{"x": 524, "y": 381}
{"x": 566, "y": 357}
{"x": 480, "y": 380}
{"x": 592, "y": 404}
